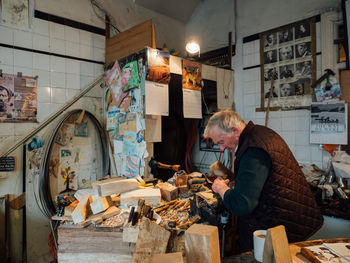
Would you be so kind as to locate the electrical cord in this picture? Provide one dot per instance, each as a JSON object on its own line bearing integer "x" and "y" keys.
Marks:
{"x": 95, "y": 4}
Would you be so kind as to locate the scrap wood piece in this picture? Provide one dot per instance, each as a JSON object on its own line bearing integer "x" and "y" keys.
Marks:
{"x": 18, "y": 202}
{"x": 101, "y": 204}
{"x": 82, "y": 211}
{"x": 152, "y": 239}
{"x": 95, "y": 219}
{"x": 202, "y": 244}
{"x": 112, "y": 211}
{"x": 151, "y": 196}
{"x": 168, "y": 257}
{"x": 115, "y": 186}
{"x": 276, "y": 247}
{"x": 168, "y": 191}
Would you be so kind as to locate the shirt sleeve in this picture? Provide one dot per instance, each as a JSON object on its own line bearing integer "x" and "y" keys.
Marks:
{"x": 252, "y": 173}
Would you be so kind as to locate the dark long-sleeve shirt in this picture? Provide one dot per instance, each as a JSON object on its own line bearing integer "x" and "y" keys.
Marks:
{"x": 252, "y": 173}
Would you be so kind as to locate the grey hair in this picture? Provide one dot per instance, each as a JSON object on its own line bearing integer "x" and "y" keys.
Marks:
{"x": 225, "y": 120}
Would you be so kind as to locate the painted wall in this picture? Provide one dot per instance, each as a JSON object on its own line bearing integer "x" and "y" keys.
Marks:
{"x": 210, "y": 24}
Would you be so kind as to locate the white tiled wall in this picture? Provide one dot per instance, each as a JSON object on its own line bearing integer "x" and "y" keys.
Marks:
{"x": 293, "y": 126}
{"x": 59, "y": 79}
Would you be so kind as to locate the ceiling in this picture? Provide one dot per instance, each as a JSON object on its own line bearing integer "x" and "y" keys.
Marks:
{"x": 180, "y": 9}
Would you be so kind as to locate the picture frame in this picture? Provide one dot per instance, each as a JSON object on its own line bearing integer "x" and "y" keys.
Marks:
{"x": 288, "y": 56}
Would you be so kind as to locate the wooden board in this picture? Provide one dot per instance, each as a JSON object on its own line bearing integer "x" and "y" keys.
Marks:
{"x": 168, "y": 258}
{"x": 112, "y": 211}
{"x": 202, "y": 244}
{"x": 102, "y": 245}
{"x": 101, "y": 204}
{"x": 276, "y": 248}
{"x": 168, "y": 191}
{"x": 116, "y": 186}
{"x": 151, "y": 195}
{"x": 82, "y": 211}
{"x": 345, "y": 89}
{"x": 152, "y": 239}
{"x": 129, "y": 41}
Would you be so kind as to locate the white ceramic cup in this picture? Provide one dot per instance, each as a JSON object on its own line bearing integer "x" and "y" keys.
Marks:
{"x": 259, "y": 241}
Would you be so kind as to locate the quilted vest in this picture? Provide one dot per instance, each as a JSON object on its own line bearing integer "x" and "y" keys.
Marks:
{"x": 286, "y": 198}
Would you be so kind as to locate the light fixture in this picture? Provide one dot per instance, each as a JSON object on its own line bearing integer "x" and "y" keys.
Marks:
{"x": 193, "y": 47}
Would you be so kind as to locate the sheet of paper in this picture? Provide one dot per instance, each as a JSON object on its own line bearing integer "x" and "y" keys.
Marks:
{"x": 118, "y": 146}
{"x": 141, "y": 149}
{"x": 329, "y": 123}
{"x": 157, "y": 98}
{"x": 192, "y": 101}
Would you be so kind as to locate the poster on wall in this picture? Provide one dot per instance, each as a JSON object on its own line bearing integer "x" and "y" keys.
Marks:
{"x": 328, "y": 123}
{"x": 18, "y": 98}
{"x": 287, "y": 55}
{"x": 191, "y": 75}
{"x": 16, "y": 12}
{"x": 158, "y": 68}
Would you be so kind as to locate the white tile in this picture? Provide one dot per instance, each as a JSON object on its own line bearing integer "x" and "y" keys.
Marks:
{"x": 85, "y": 38}
{"x": 72, "y": 66}
{"x": 41, "y": 61}
{"x": 72, "y": 81}
{"x": 44, "y": 94}
{"x": 71, "y": 93}
{"x": 23, "y": 39}
{"x": 56, "y": 31}
{"x": 86, "y": 52}
{"x": 99, "y": 41}
{"x": 98, "y": 54}
{"x": 57, "y": 46}
{"x": 43, "y": 77}
{"x": 58, "y": 79}
{"x": 289, "y": 137}
{"x": 316, "y": 153}
{"x": 302, "y": 153}
{"x": 41, "y": 27}
{"x": 6, "y": 56}
{"x": 275, "y": 124}
{"x": 98, "y": 69}
{"x": 302, "y": 123}
{"x": 6, "y": 35}
{"x": 41, "y": 43}
{"x": 249, "y": 87}
{"x": 302, "y": 138}
{"x": 85, "y": 81}
{"x": 58, "y": 95}
{"x": 7, "y": 68}
{"x": 23, "y": 58}
{"x": 24, "y": 128}
{"x": 25, "y": 71}
{"x": 57, "y": 64}
{"x": 71, "y": 34}
{"x": 87, "y": 68}
{"x": 72, "y": 49}
{"x": 249, "y": 100}
{"x": 288, "y": 123}
{"x": 7, "y": 129}
{"x": 44, "y": 111}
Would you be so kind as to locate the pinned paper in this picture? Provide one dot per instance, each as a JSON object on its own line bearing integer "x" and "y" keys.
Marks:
{"x": 118, "y": 146}
{"x": 132, "y": 166}
{"x": 112, "y": 120}
{"x": 157, "y": 99}
{"x": 192, "y": 103}
{"x": 113, "y": 81}
{"x": 130, "y": 76}
{"x": 141, "y": 149}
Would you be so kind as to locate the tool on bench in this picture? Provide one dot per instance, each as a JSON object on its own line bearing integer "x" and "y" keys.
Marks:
{"x": 158, "y": 165}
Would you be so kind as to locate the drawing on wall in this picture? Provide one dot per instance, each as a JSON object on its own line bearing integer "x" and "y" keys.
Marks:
{"x": 65, "y": 134}
{"x": 287, "y": 58}
{"x": 18, "y": 98}
{"x": 15, "y": 13}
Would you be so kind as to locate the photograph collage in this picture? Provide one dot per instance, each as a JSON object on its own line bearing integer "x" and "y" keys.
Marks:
{"x": 287, "y": 58}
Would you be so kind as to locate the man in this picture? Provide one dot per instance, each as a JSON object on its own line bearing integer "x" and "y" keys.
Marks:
{"x": 286, "y": 90}
{"x": 302, "y": 50}
{"x": 270, "y": 189}
{"x": 286, "y": 53}
{"x": 5, "y": 97}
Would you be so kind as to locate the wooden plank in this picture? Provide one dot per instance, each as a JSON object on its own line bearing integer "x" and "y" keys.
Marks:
{"x": 345, "y": 90}
{"x": 276, "y": 248}
{"x": 151, "y": 195}
{"x": 168, "y": 258}
{"x": 82, "y": 211}
{"x": 153, "y": 132}
{"x": 130, "y": 233}
{"x": 152, "y": 239}
{"x": 112, "y": 211}
{"x": 101, "y": 204}
{"x": 18, "y": 202}
{"x": 129, "y": 41}
{"x": 116, "y": 186}
{"x": 202, "y": 244}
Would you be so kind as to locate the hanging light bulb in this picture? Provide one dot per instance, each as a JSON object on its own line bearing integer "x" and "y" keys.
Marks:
{"x": 192, "y": 47}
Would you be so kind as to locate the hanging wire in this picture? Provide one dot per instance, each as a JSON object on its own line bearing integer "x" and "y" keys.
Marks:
{"x": 97, "y": 5}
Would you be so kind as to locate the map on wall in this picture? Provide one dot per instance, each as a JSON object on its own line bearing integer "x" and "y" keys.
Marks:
{"x": 15, "y": 12}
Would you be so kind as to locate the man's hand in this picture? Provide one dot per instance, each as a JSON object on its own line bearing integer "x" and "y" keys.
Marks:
{"x": 220, "y": 186}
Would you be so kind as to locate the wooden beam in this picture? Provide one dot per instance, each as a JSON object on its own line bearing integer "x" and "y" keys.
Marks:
{"x": 276, "y": 248}
{"x": 202, "y": 244}
{"x": 152, "y": 239}
{"x": 168, "y": 191}
{"x": 82, "y": 211}
{"x": 151, "y": 195}
{"x": 129, "y": 41}
{"x": 115, "y": 186}
{"x": 101, "y": 204}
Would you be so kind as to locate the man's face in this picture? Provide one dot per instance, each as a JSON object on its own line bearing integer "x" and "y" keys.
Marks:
{"x": 286, "y": 53}
{"x": 224, "y": 140}
{"x": 301, "y": 49}
{"x": 4, "y": 97}
{"x": 284, "y": 90}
